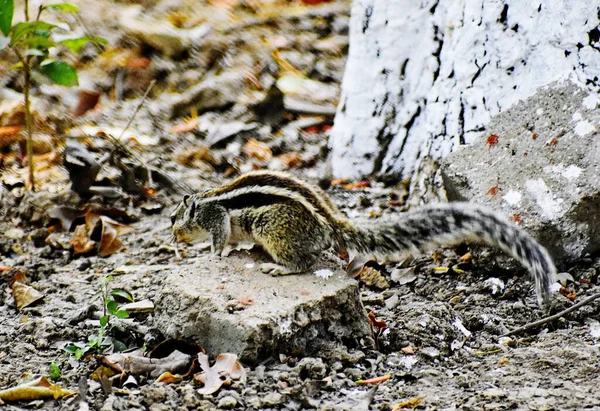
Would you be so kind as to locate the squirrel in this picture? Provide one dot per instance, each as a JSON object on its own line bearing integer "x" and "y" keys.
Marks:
{"x": 294, "y": 221}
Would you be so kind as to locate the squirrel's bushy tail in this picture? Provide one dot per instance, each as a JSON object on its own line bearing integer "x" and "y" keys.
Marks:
{"x": 448, "y": 223}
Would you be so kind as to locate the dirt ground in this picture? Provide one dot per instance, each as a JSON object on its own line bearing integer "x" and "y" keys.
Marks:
{"x": 442, "y": 345}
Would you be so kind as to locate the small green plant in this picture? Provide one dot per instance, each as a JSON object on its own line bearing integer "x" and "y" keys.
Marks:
{"x": 99, "y": 343}
{"x": 32, "y": 41}
{"x": 54, "y": 371}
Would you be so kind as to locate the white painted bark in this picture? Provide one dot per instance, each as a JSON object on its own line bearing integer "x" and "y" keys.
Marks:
{"x": 425, "y": 76}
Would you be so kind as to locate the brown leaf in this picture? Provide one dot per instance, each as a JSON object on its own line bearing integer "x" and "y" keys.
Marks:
{"x": 168, "y": 378}
{"x": 492, "y": 140}
{"x": 289, "y": 160}
{"x": 493, "y": 191}
{"x": 381, "y": 325}
{"x": 516, "y": 218}
{"x": 255, "y": 149}
{"x": 107, "y": 231}
{"x": 226, "y": 368}
{"x": 135, "y": 363}
{"x": 376, "y": 380}
{"x": 357, "y": 184}
{"x": 187, "y": 125}
{"x": 37, "y": 389}
{"x": 25, "y": 295}
{"x": 88, "y": 99}
{"x": 411, "y": 403}
{"x": 65, "y": 215}
{"x": 81, "y": 243}
{"x": 372, "y": 277}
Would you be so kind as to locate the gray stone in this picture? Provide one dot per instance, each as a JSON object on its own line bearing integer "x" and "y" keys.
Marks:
{"x": 272, "y": 399}
{"x": 227, "y": 402}
{"x": 543, "y": 170}
{"x": 228, "y": 305}
{"x": 215, "y": 92}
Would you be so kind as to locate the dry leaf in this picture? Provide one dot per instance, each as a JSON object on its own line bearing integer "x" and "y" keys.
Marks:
{"x": 81, "y": 243}
{"x": 87, "y": 101}
{"x": 187, "y": 125}
{"x": 381, "y": 325}
{"x": 109, "y": 230}
{"x": 289, "y": 160}
{"x": 65, "y": 215}
{"x": 493, "y": 191}
{"x": 255, "y": 149}
{"x": 373, "y": 278}
{"x": 466, "y": 258}
{"x": 226, "y": 368}
{"x": 408, "y": 349}
{"x": 168, "y": 378}
{"x": 492, "y": 140}
{"x": 410, "y": 403}
{"x": 357, "y": 184}
{"x": 135, "y": 363}
{"x": 37, "y": 389}
{"x": 375, "y": 380}
{"x": 25, "y": 295}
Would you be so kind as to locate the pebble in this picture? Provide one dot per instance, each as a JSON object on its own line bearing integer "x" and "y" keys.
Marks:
{"x": 227, "y": 402}
{"x": 272, "y": 399}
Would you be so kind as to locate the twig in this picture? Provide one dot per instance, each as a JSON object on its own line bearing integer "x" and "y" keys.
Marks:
{"x": 117, "y": 141}
{"x": 551, "y": 318}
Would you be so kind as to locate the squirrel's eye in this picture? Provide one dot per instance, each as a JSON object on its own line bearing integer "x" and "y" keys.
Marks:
{"x": 173, "y": 218}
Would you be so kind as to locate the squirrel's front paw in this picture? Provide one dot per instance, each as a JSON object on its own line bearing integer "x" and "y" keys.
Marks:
{"x": 275, "y": 269}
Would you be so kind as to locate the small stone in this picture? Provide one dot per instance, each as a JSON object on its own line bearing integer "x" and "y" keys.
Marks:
{"x": 492, "y": 393}
{"x": 431, "y": 352}
{"x": 227, "y": 402}
{"x": 272, "y": 399}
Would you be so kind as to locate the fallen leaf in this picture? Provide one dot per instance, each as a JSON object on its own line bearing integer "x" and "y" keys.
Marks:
{"x": 136, "y": 363}
{"x": 88, "y": 99}
{"x": 138, "y": 62}
{"x": 375, "y": 322}
{"x": 408, "y": 349}
{"x": 410, "y": 403}
{"x": 66, "y": 215}
{"x": 25, "y": 295}
{"x": 106, "y": 230}
{"x": 289, "y": 160}
{"x": 516, "y": 218}
{"x": 258, "y": 150}
{"x": 404, "y": 276}
{"x": 502, "y": 362}
{"x": 492, "y": 140}
{"x": 81, "y": 243}
{"x": 465, "y": 258}
{"x": 358, "y": 184}
{"x": 38, "y": 389}
{"x": 372, "y": 277}
{"x": 168, "y": 378}
{"x": 246, "y": 300}
{"x": 493, "y": 191}
{"x": 339, "y": 181}
{"x": 225, "y": 369}
{"x": 187, "y": 125}
{"x": 375, "y": 380}
{"x": 9, "y": 130}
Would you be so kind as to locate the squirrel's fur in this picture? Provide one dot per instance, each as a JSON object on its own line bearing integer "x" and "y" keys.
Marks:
{"x": 294, "y": 221}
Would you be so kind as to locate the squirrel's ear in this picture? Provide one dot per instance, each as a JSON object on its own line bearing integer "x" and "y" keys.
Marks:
{"x": 186, "y": 199}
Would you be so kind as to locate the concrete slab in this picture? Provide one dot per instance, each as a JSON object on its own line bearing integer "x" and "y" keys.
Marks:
{"x": 228, "y": 305}
{"x": 542, "y": 170}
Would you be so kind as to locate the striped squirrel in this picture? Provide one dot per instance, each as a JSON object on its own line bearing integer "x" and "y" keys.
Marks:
{"x": 294, "y": 221}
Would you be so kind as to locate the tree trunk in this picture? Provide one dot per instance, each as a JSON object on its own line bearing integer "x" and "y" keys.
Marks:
{"x": 424, "y": 77}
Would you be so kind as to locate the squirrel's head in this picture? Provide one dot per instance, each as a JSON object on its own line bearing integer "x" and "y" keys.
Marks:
{"x": 197, "y": 218}
{"x": 184, "y": 221}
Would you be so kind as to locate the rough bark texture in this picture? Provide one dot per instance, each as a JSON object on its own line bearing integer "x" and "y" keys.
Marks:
{"x": 424, "y": 77}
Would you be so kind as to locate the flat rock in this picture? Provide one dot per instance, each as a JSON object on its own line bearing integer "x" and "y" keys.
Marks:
{"x": 229, "y": 305}
{"x": 539, "y": 163}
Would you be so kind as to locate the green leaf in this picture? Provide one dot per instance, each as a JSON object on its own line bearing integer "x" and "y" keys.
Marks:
{"x": 69, "y": 8}
{"x": 7, "y": 8}
{"x": 36, "y": 41}
{"x": 76, "y": 44}
{"x": 54, "y": 371}
{"x": 94, "y": 341}
{"x": 103, "y": 320}
{"x": 96, "y": 296}
{"x": 23, "y": 29}
{"x": 122, "y": 314}
{"x": 61, "y": 73}
{"x": 111, "y": 306}
{"x": 76, "y": 350}
{"x": 119, "y": 292}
